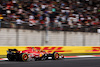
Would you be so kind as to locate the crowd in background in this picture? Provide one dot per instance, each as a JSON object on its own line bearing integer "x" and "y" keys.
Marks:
{"x": 62, "y": 15}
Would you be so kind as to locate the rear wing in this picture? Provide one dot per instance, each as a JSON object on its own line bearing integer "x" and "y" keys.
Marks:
{"x": 12, "y": 50}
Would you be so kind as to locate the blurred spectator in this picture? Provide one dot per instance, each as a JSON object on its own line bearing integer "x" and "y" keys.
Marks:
{"x": 1, "y": 18}
{"x": 19, "y": 23}
{"x": 56, "y": 14}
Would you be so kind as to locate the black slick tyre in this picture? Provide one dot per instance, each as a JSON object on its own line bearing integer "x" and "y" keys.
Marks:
{"x": 24, "y": 57}
{"x": 55, "y": 56}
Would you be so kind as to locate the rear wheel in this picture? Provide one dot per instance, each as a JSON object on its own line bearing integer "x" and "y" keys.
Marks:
{"x": 24, "y": 57}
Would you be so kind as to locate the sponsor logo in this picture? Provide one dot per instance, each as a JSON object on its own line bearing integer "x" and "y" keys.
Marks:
{"x": 95, "y": 49}
{"x": 50, "y": 49}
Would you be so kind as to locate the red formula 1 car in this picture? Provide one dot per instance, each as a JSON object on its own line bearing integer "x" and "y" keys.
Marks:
{"x": 15, "y": 55}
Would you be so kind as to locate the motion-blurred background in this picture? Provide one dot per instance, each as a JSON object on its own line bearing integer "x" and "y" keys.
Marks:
{"x": 49, "y": 22}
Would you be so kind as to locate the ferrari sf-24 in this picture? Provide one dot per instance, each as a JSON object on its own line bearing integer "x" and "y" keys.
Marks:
{"x": 15, "y": 55}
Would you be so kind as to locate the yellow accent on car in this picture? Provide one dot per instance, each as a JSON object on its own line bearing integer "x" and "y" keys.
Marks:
{"x": 40, "y": 55}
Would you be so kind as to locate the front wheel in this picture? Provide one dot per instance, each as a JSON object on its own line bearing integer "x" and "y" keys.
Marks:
{"x": 55, "y": 56}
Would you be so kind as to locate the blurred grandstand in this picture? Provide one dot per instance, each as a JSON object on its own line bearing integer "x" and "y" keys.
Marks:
{"x": 64, "y": 15}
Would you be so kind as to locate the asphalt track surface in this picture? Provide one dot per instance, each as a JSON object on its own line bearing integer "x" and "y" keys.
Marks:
{"x": 80, "y": 62}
